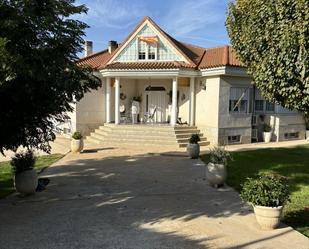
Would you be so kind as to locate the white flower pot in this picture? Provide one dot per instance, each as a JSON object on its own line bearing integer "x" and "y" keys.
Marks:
{"x": 268, "y": 217}
{"x": 307, "y": 134}
{"x": 193, "y": 150}
{"x": 26, "y": 181}
{"x": 267, "y": 137}
{"x": 77, "y": 145}
{"x": 216, "y": 174}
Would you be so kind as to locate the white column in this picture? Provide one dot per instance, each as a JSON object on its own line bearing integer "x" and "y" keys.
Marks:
{"x": 117, "y": 100}
{"x": 108, "y": 100}
{"x": 174, "y": 102}
{"x": 192, "y": 101}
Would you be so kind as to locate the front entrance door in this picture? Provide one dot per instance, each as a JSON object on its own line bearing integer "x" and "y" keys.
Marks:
{"x": 156, "y": 97}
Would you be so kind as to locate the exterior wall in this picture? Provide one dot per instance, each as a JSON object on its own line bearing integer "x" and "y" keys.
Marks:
{"x": 233, "y": 124}
{"x": 286, "y": 123}
{"x": 71, "y": 125}
{"x": 212, "y": 115}
{"x": 90, "y": 111}
{"x": 207, "y": 107}
{"x": 184, "y": 103}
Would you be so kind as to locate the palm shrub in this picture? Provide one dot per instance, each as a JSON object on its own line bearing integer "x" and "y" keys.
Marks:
{"x": 23, "y": 161}
{"x": 195, "y": 138}
{"x": 218, "y": 155}
{"x": 77, "y": 135}
{"x": 269, "y": 190}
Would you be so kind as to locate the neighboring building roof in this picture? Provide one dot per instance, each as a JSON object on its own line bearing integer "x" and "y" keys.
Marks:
{"x": 95, "y": 60}
{"x": 199, "y": 58}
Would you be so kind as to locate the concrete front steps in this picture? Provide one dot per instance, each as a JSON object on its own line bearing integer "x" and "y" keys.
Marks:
{"x": 145, "y": 135}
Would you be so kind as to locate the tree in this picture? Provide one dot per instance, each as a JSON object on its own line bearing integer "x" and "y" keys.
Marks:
{"x": 39, "y": 78}
{"x": 271, "y": 38}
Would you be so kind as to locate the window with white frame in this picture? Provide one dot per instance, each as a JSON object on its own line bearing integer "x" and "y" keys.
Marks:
{"x": 239, "y": 100}
{"x": 259, "y": 105}
{"x": 270, "y": 107}
{"x": 147, "y": 51}
{"x": 142, "y": 48}
{"x": 262, "y": 105}
{"x": 234, "y": 139}
{"x": 152, "y": 51}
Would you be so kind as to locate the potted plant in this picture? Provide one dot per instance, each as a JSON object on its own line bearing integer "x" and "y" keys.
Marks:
{"x": 25, "y": 176}
{"x": 267, "y": 133}
{"x": 77, "y": 143}
{"x": 137, "y": 98}
{"x": 268, "y": 193}
{"x": 216, "y": 168}
{"x": 193, "y": 148}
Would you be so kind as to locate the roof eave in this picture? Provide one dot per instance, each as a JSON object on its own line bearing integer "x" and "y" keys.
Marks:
{"x": 225, "y": 70}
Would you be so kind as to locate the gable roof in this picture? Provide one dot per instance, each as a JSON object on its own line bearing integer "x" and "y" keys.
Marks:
{"x": 197, "y": 57}
{"x": 170, "y": 40}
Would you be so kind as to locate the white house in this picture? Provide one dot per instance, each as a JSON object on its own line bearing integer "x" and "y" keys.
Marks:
{"x": 205, "y": 88}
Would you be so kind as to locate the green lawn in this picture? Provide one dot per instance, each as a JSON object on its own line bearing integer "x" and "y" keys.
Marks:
{"x": 290, "y": 162}
{"x": 6, "y": 178}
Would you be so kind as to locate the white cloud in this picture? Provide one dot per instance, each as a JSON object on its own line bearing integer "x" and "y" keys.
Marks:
{"x": 184, "y": 19}
{"x": 115, "y": 14}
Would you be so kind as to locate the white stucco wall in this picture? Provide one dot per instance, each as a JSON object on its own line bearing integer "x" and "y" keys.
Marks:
{"x": 90, "y": 110}
{"x": 184, "y": 103}
{"x": 207, "y": 107}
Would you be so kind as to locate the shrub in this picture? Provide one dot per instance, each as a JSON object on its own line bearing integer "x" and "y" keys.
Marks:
{"x": 137, "y": 98}
{"x": 268, "y": 190}
{"x": 267, "y": 128}
{"x": 77, "y": 135}
{"x": 22, "y": 161}
{"x": 195, "y": 138}
{"x": 218, "y": 155}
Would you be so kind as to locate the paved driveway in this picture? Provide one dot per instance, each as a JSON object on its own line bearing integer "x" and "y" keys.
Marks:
{"x": 118, "y": 198}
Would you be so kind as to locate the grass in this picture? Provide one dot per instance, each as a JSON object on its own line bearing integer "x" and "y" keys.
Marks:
{"x": 290, "y": 162}
{"x": 6, "y": 177}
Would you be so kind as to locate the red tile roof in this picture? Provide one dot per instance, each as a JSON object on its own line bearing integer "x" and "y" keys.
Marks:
{"x": 95, "y": 60}
{"x": 199, "y": 58}
{"x": 220, "y": 56}
{"x": 149, "y": 65}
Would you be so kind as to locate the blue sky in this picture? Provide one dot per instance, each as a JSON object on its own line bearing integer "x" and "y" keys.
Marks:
{"x": 200, "y": 22}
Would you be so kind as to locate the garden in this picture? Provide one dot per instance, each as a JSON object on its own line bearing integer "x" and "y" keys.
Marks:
{"x": 292, "y": 163}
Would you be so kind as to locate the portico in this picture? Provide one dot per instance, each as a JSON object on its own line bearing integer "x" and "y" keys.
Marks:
{"x": 155, "y": 92}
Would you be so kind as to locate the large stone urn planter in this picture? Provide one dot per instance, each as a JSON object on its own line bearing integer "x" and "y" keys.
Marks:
{"x": 268, "y": 217}
{"x": 307, "y": 134}
{"x": 267, "y": 136}
{"x": 193, "y": 150}
{"x": 77, "y": 145}
{"x": 216, "y": 174}
{"x": 26, "y": 182}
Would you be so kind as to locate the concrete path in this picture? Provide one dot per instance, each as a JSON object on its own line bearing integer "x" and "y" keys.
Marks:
{"x": 127, "y": 199}
{"x": 262, "y": 145}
